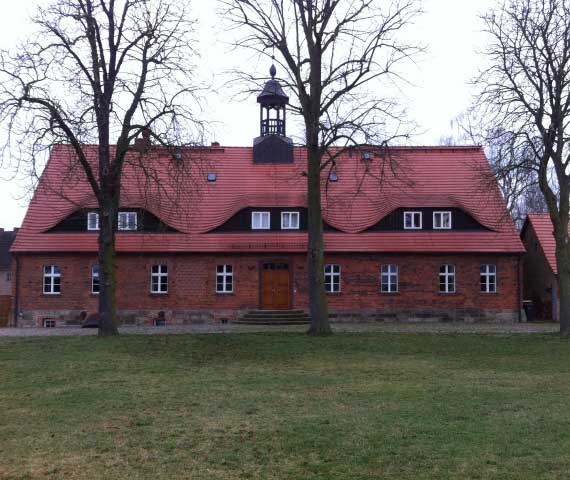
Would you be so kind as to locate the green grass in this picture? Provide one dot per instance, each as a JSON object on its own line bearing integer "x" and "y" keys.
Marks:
{"x": 286, "y": 406}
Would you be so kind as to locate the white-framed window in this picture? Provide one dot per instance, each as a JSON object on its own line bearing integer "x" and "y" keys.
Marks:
{"x": 447, "y": 279}
{"x": 127, "y": 220}
{"x": 159, "y": 279}
{"x": 290, "y": 220}
{"x": 332, "y": 278}
{"x": 52, "y": 280}
{"x": 260, "y": 220}
{"x": 95, "y": 284}
{"x": 92, "y": 221}
{"x": 224, "y": 279}
{"x": 412, "y": 220}
{"x": 442, "y": 220}
{"x": 48, "y": 323}
{"x": 389, "y": 279}
{"x": 488, "y": 278}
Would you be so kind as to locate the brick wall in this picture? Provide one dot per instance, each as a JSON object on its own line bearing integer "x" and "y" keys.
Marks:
{"x": 5, "y": 282}
{"x": 192, "y": 298}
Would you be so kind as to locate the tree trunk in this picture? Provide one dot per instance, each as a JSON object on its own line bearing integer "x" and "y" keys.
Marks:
{"x": 318, "y": 308}
{"x": 107, "y": 270}
{"x": 563, "y": 264}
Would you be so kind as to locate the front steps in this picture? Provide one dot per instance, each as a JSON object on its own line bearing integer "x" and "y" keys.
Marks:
{"x": 274, "y": 317}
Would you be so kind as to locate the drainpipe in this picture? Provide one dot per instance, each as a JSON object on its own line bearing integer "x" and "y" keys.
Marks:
{"x": 17, "y": 291}
{"x": 519, "y": 286}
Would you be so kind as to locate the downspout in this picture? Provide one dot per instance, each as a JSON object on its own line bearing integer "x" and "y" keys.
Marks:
{"x": 519, "y": 286}
{"x": 17, "y": 291}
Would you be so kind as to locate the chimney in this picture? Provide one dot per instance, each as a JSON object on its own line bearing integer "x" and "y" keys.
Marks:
{"x": 1, "y": 230}
{"x": 144, "y": 139}
{"x": 215, "y": 144}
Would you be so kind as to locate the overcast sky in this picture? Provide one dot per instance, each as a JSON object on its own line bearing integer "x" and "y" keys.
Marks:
{"x": 449, "y": 29}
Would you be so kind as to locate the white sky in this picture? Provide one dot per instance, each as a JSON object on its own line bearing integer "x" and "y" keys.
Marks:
{"x": 449, "y": 29}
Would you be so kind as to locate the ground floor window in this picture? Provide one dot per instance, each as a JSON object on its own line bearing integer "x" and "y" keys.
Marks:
{"x": 95, "y": 285}
{"x": 159, "y": 279}
{"x": 389, "y": 279}
{"x": 488, "y": 278}
{"x": 224, "y": 279}
{"x": 49, "y": 323}
{"x": 332, "y": 278}
{"x": 52, "y": 280}
{"x": 447, "y": 279}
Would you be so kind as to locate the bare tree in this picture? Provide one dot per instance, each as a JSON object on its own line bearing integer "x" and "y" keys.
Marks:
{"x": 526, "y": 91}
{"x": 512, "y": 166}
{"x": 331, "y": 51}
{"x": 96, "y": 70}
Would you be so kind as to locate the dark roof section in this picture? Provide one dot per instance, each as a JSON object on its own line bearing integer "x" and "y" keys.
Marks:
{"x": 6, "y": 239}
{"x": 273, "y": 94}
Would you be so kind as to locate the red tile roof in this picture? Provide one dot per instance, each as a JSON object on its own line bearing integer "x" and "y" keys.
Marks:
{"x": 543, "y": 229}
{"x": 422, "y": 176}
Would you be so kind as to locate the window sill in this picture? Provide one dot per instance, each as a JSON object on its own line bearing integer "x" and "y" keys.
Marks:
{"x": 389, "y": 293}
{"x": 448, "y": 293}
{"x": 333, "y": 293}
{"x": 52, "y": 294}
{"x": 158, "y": 294}
{"x": 225, "y": 293}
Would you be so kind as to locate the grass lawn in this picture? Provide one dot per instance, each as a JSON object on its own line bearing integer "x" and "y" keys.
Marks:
{"x": 285, "y": 406}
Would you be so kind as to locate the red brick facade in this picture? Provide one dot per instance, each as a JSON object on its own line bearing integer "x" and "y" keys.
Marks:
{"x": 192, "y": 293}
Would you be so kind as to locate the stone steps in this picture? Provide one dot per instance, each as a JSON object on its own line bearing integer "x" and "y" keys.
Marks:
{"x": 274, "y": 317}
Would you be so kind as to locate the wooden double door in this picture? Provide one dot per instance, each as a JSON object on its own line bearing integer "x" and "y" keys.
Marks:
{"x": 275, "y": 286}
{"x": 5, "y": 304}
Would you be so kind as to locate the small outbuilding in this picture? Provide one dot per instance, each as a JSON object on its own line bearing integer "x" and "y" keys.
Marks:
{"x": 539, "y": 266}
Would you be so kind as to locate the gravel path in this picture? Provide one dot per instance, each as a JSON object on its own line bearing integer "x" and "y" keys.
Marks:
{"x": 479, "y": 328}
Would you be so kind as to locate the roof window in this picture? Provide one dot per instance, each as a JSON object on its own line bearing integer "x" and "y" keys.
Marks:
{"x": 212, "y": 177}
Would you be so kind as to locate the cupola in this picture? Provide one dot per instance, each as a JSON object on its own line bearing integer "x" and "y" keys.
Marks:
{"x": 272, "y": 145}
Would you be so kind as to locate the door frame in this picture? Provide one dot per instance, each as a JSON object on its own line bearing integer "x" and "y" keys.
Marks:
{"x": 260, "y": 279}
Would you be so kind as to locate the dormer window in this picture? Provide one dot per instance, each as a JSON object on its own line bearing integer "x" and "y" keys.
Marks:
{"x": 333, "y": 176}
{"x": 211, "y": 177}
{"x": 92, "y": 221}
{"x": 260, "y": 220}
{"x": 412, "y": 220}
{"x": 442, "y": 220}
{"x": 127, "y": 221}
{"x": 366, "y": 156}
{"x": 289, "y": 220}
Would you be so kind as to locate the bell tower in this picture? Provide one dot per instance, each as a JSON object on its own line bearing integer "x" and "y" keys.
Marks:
{"x": 272, "y": 145}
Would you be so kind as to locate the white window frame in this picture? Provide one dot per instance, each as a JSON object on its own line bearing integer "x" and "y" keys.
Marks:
{"x": 447, "y": 275}
{"x": 441, "y": 214}
{"x": 95, "y": 274}
{"x": 391, "y": 273}
{"x": 413, "y": 213}
{"x": 485, "y": 275}
{"x": 49, "y": 323}
{"x": 90, "y": 227}
{"x": 52, "y": 275}
{"x": 333, "y": 271}
{"x": 160, "y": 273}
{"x": 222, "y": 277}
{"x": 261, "y": 215}
{"x": 291, "y": 215}
{"x": 123, "y": 221}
